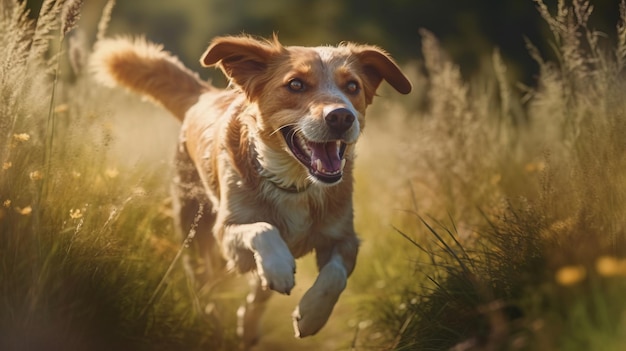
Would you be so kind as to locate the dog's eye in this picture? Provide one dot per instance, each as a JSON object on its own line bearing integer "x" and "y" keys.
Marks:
{"x": 295, "y": 85}
{"x": 352, "y": 87}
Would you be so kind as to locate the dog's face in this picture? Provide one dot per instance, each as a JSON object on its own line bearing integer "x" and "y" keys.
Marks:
{"x": 311, "y": 101}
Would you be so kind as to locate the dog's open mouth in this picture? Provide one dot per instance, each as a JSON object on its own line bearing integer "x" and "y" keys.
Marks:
{"x": 324, "y": 160}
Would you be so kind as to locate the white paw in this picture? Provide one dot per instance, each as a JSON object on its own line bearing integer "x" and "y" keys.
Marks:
{"x": 276, "y": 271}
{"x": 312, "y": 312}
{"x": 309, "y": 319}
{"x": 318, "y": 302}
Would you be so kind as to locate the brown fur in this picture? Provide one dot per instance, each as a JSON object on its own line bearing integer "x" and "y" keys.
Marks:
{"x": 240, "y": 181}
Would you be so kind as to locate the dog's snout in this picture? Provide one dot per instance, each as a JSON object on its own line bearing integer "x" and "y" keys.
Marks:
{"x": 339, "y": 119}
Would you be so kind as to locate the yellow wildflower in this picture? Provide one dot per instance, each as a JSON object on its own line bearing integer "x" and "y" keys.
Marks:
{"x": 24, "y": 211}
{"x": 21, "y": 137}
{"x": 610, "y": 266}
{"x": 6, "y": 203}
{"x": 6, "y": 165}
{"x": 570, "y": 275}
{"x": 76, "y": 213}
{"x": 35, "y": 175}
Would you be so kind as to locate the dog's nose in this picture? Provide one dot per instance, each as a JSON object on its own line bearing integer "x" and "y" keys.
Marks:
{"x": 339, "y": 120}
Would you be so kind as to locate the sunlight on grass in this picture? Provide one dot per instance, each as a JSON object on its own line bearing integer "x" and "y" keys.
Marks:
{"x": 491, "y": 214}
{"x": 513, "y": 204}
{"x": 86, "y": 230}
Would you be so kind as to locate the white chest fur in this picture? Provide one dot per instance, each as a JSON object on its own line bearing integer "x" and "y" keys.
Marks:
{"x": 297, "y": 220}
{"x": 296, "y": 214}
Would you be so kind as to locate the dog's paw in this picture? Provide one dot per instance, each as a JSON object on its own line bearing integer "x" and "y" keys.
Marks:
{"x": 313, "y": 311}
{"x": 309, "y": 318}
{"x": 277, "y": 272}
{"x": 318, "y": 302}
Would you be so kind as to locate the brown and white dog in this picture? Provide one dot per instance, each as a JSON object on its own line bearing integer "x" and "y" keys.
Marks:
{"x": 264, "y": 167}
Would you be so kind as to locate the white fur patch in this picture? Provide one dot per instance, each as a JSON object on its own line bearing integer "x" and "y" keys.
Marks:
{"x": 275, "y": 264}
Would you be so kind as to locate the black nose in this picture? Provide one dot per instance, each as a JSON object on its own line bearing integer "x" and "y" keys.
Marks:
{"x": 339, "y": 120}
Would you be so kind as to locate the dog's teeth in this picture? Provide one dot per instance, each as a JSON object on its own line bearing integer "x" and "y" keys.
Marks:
{"x": 318, "y": 165}
{"x": 343, "y": 163}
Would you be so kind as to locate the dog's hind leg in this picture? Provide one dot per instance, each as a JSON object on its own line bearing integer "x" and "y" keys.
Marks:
{"x": 250, "y": 313}
{"x": 194, "y": 224}
{"x": 194, "y": 217}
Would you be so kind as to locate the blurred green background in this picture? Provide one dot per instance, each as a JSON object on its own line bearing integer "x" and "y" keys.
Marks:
{"x": 468, "y": 29}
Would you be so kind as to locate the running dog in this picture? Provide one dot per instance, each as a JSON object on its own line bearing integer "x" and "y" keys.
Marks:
{"x": 265, "y": 166}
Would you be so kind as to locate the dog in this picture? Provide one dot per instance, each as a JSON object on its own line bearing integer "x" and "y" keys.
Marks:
{"x": 264, "y": 168}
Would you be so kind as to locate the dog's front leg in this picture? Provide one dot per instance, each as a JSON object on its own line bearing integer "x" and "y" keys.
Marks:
{"x": 336, "y": 264}
{"x": 275, "y": 264}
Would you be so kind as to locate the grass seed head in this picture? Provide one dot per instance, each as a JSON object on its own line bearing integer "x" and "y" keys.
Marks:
{"x": 70, "y": 15}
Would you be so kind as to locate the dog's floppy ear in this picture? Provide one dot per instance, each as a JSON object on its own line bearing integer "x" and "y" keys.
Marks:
{"x": 378, "y": 65}
{"x": 241, "y": 58}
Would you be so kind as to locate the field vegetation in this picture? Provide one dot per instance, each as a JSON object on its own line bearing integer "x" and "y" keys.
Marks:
{"x": 492, "y": 213}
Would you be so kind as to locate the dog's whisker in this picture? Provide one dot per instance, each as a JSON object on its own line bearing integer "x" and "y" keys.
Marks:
{"x": 286, "y": 125}
{"x": 295, "y": 131}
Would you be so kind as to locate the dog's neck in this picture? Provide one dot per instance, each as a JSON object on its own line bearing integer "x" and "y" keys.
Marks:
{"x": 271, "y": 178}
{"x": 279, "y": 172}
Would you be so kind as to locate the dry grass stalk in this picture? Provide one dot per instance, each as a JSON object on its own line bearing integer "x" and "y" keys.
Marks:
{"x": 621, "y": 38}
{"x": 103, "y": 24}
{"x": 70, "y": 15}
{"x": 567, "y": 209}
{"x": 46, "y": 24}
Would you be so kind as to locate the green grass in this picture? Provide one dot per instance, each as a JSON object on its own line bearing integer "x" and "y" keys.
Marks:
{"x": 82, "y": 255}
{"x": 492, "y": 215}
{"x": 86, "y": 231}
{"x": 514, "y": 203}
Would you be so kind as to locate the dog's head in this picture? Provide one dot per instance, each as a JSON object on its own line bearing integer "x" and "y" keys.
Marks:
{"x": 311, "y": 100}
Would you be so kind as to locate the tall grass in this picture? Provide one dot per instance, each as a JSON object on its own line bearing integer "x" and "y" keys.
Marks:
{"x": 517, "y": 202}
{"x": 81, "y": 258}
{"x": 492, "y": 214}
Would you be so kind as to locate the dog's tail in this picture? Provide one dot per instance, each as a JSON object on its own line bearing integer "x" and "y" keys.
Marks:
{"x": 146, "y": 68}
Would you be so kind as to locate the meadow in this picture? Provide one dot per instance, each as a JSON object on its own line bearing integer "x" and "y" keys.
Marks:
{"x": 492, "y": 214}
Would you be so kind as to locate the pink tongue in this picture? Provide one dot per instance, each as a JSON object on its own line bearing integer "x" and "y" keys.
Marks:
{"x": 328, "y": 154}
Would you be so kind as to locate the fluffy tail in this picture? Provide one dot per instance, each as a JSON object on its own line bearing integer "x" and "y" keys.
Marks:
{"x": 146, "y": 68}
